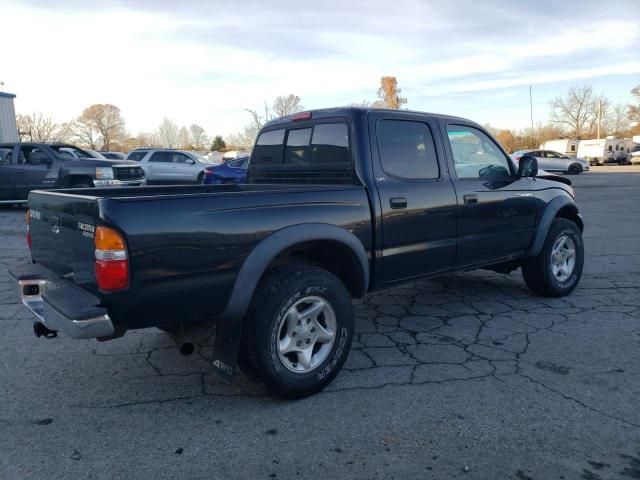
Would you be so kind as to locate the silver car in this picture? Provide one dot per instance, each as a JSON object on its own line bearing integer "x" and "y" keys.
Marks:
{"x": 170, "y": 166}
{"x": 553, "y": 161}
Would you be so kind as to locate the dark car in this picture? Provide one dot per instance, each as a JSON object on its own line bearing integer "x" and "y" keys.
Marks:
{"x": 114, "y": 155}
{"x": 233, "y": 171}
{"x": 29, "y": 166}
{"x": 339, "y": 202}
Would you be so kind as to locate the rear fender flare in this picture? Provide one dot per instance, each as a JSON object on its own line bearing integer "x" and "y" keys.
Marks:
{"x": 268, "y": 249}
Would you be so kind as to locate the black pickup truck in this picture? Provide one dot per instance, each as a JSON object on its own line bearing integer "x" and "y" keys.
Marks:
{"x": 339, "y": 202}
{"x": 29, "y": 166}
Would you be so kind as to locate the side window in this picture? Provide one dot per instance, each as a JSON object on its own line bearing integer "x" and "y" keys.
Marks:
{"x": 161, "y": 157}
{"x": 137, "y": 156}
{"x": 475, "y": 155}
{"x": 180, "y": 157}
{"x": 573, "y": 148}
{"x": 407, "y": 149}
{"x": 297, "y": 150}
{"x": 5, "y": 156}
{"x": 269, "y": 148}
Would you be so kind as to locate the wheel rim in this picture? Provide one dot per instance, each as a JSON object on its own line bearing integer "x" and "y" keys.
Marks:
{"x": 563, "y": 258}
{"x": 306, "y": 334}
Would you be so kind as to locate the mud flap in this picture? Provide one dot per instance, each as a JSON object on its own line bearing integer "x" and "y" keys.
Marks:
{"x": 226, "y": 348}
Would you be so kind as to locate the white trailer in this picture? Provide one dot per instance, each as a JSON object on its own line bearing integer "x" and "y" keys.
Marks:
{"x": 565, "y": 146}
{"x": 8, "y": 127}
{"x": 604, "y": 150}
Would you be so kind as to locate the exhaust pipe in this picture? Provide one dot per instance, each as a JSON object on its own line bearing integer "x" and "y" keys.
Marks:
{"x": 41, "y": 331}
{"x": 187, "y": 348}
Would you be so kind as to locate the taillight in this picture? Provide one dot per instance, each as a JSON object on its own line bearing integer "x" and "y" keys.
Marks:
{"x": 112, "y": 261}
{"x": 301, "y": 116}
{"x": 28, "y": 229}
{"x": 209, "y": 173}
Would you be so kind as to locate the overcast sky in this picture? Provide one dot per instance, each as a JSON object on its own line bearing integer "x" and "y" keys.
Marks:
{"x": 205, "y": 61}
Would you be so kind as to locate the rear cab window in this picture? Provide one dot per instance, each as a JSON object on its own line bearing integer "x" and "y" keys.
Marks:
{"x": 317, "y": 153}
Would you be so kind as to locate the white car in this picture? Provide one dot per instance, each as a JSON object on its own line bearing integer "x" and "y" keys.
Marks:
{"x": 634, "y": 155}
{"x": 553, "y": 161}
{"x": 170, "y": 166}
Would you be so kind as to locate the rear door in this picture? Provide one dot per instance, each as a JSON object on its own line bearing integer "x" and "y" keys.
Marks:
{"x": 417, "y": 198}
{"x": 158, "y": 166}
{"x": 496, "y": 213}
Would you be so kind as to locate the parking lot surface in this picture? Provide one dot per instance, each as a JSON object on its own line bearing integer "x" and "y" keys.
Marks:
{"x": 465, "y": 376}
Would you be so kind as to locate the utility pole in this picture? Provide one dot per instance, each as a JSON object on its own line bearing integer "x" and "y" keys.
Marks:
{"x": 599, "y": 116}
{"x": 531, "y": 114}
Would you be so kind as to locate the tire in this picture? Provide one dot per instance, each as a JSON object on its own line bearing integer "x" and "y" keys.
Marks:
{"x": 273, "y": 322}
{"x": 574, "y": 169}
{"x": 543, "y": 275}
{"x": 200, "y": 177}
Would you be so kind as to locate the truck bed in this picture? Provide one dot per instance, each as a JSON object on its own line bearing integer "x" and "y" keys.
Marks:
{"x": 192, "y": 239}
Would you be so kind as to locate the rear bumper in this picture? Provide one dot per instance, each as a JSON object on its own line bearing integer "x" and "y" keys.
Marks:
{"x": 61, "y": 305}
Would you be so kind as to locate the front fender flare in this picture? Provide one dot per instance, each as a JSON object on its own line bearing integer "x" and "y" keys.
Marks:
{"x": 550, "y": 213}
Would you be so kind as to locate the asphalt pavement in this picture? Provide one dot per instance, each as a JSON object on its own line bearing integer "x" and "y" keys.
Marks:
{"x": 464, "y": 376}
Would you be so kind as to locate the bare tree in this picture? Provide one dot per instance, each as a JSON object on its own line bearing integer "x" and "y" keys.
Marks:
{"x": 184, "y": 138}
{"x": 103, "y": 121}
{"x": 633, "y": 112}
{"x": 199, "y": 138}
{"x": 616, "y": 120}
{"x": 389, "y": 94}
{"x": 37, "y": 128}
{"x": 167, "y": 133}
{"x": 576, "y": 110}
{"x": 285, "y": 105}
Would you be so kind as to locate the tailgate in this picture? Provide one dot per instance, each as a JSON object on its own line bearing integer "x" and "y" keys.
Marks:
{"x": 62, "y": 229}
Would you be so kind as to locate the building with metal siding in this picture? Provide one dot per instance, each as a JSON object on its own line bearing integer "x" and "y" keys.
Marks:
{"x": 8, "y": 127}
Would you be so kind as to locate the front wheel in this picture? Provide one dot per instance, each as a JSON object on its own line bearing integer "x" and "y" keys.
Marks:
{"x": 556, "y": 271}
{"x": 575, "y": 169}
{"x": 298, "y": 331}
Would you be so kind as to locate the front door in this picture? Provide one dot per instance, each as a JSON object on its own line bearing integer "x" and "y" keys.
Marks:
{"x": 33, "y": 170}
{"x": 7, "y": 172}
{"x": 496, "y": 216}
{"x": 417, "y": 199}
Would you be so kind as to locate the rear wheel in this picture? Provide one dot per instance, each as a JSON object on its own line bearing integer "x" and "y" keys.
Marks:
{"x": 298, "y": 331}
{"x": 556, "y": 271}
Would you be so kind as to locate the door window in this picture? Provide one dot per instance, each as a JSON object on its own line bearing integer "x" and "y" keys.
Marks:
{"x": 181, "y": 158}
{"x": 475, "y": 155}
{"x": 407, "y": 150}
{"x": 161, "y": 157}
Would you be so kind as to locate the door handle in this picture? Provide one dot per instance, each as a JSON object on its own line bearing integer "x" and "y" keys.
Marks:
{"x": 398, "y": 203}
{"x": 470, "y": 199}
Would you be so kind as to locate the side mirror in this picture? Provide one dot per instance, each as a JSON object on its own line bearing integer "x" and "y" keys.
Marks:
{"x": 528, "y": 166}
{"x": 191, "y": 161}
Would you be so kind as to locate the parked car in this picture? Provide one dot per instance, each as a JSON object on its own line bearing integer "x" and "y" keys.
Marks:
{"x": 114, "y": 155}
{"x": 380, "y": 197}
{"x": 551, "y": 161}
{"x": 74, "y": 152}
{"x": 233, "y": 171}
{"x": 170, "y": 166}
{"x": 634, "y": 155}
{"x": 28, "y": 166}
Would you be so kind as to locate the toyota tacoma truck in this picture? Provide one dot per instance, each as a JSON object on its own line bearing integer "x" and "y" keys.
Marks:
{"x": 29, "y": 166}
{"x": 339, "y": 202}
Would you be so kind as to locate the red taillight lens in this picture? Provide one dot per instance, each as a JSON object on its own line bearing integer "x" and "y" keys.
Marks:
{"x": 112, "y": 261}
{"x": 28, "y": 230}
{"x": 209, "y": 173}
{"x": 301, "y": 116}
{"x": 112, "y": 274}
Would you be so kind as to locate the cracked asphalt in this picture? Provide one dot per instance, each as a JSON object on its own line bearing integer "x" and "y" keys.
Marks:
{"x": 465, "y": 376}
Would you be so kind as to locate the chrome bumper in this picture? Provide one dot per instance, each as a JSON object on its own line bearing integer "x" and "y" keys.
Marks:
{"x": 32, "y": 292}
{"x": 120, "y": 183}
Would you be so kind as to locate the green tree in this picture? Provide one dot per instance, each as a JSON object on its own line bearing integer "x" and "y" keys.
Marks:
{"x": 218, "y": 144}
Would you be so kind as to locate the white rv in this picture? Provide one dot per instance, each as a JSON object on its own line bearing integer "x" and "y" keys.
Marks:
{"x": 603, "y": 151}
{"x": 564, "y": 146}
